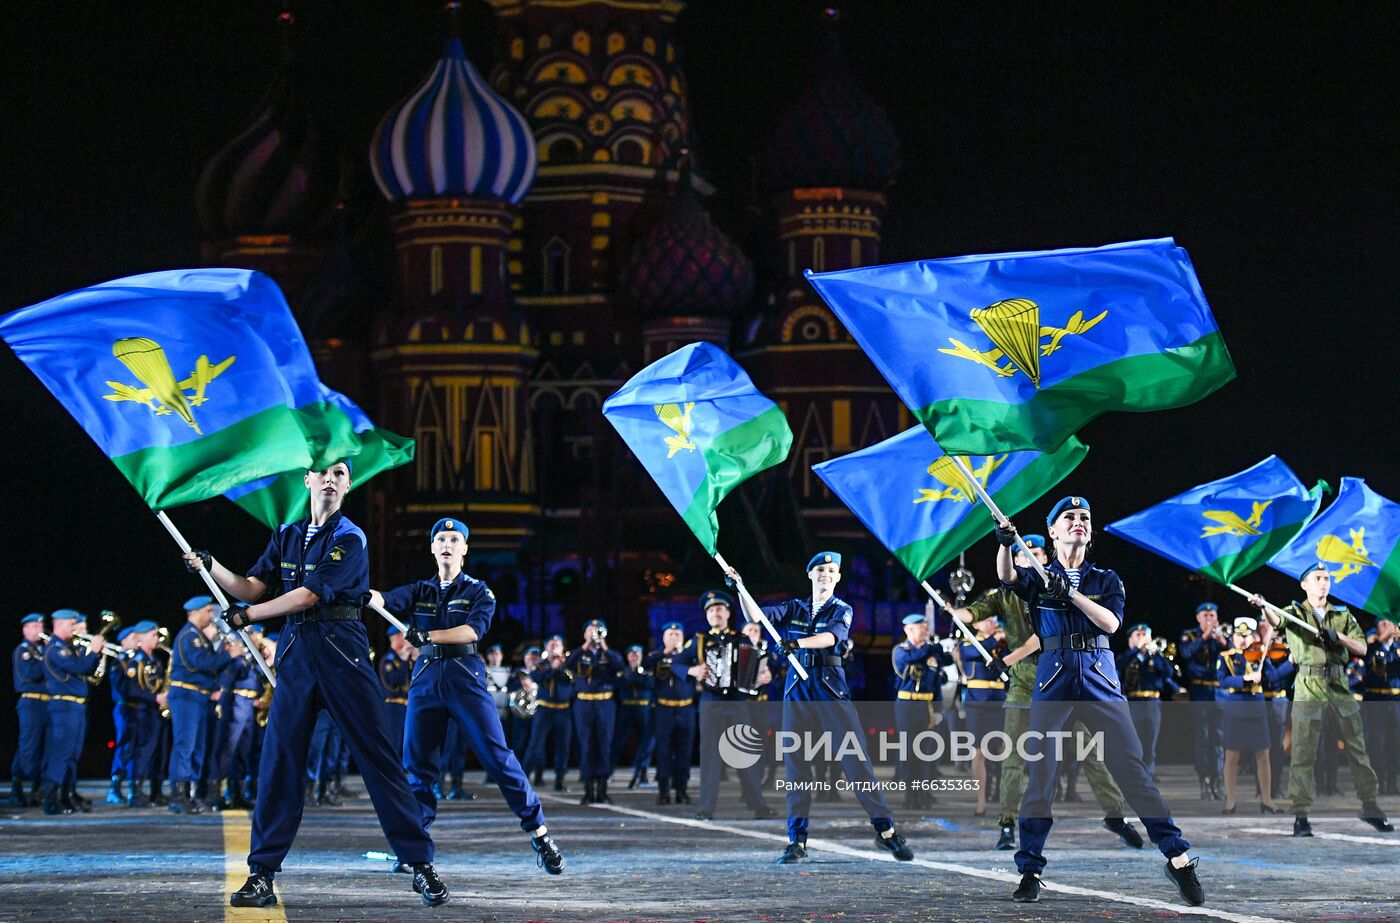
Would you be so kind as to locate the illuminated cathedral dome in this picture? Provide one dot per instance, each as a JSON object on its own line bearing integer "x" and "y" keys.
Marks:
{"x": 687, "y": 266}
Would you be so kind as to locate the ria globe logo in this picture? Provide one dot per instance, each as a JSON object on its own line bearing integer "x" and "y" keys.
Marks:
{"x": 740, "y": 746}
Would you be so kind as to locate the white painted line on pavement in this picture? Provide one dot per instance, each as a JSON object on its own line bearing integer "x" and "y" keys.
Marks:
{"x": 1346, "y": 837}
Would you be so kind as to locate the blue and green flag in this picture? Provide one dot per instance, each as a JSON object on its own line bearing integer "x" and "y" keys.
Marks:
{"x": 1019, "y": 350}
{"x": 1357, "y": 539}
{"x": 921, "y": 506}
{"x": 1226, "y": 528}
{"x": 700, "y": 428}
{"x": 193, "y": 382}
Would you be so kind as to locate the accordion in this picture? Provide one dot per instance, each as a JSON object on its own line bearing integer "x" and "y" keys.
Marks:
{"x": 731, "y": 668}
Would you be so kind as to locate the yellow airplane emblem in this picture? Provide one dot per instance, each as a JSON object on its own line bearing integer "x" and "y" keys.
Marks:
{"x": 162, "y": 393}
{"x": 1230, "y": 522}
{"x": 958, "y": 488}
{"x": 678, "y": 420}
{"x": 1015, "y": 330}
{"x": 1352, "y": 557}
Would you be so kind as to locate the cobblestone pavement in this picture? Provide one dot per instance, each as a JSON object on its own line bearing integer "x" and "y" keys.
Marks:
{"x": 636, "y": 861}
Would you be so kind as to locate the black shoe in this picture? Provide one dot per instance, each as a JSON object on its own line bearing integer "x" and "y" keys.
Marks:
{"x": 764, "y": 812}
{"x": 632, "y": 783}
{"x": 1007, "y": 840}
{"x": 1301, "y": 827}
{"x": 795, "y": 852}
{"x": 256, "y": 892}
{"x": 538, "y": 780}
{"x": 138, "y": 799}
{"x": 682, "y": 796}
{"x": 704, "y": 815}
{"x": 1187, "y": 883}
{"x": 1126, "y": 831}
{"x": 559, "y": 786}
{"x": 547, "y": 855}
{"x": 1028, "y": 891}
{"x": 600, "y": 794}
{"x": 403, "y": 868}
{"x": 78, "y": 802}
{"x": 17, "y": 797}
{"x": 54, "y": 803}
{"x": 328, "y": 797}
{"x": 663, "y": 792}
{"x": 1215, "y": 793}
{"x": 1205, "y": 790}
{"x": 589, "y": 792}
{"x": 427, "y": 883}
{"x": 895, "y": 845}
{"x": 158, "y": 798}
{"x": 1372, "y": 814}
{"x": 1265, "y": 809}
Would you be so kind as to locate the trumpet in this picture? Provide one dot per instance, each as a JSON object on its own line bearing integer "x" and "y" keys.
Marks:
{"x": 110, "y": 622}
{"x": 1159, "y": 646}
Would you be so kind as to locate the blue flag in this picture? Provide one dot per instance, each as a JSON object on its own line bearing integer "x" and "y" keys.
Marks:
{"x": 1357, "y": 539}
{"x": 1019, "y": 350}
{"x": 921, "y": 506}
{"x": 1226, "y": 528}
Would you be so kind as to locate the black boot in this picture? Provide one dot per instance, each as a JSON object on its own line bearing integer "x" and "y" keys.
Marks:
{"x": 138, "y": 797}
{"x": 1301, "y": 827}
{"x": 256, "y": 892}
{"x": 454, "y": 790}
{"x": 115, "y": 795}
{"x": 663, "y": 791}
{"x": 682, "y": 796}
{"x": 600, "y": 794}
{"x": 81, "y": 804}
{"x": 309, "y": 795}
{"x": 1205, "y": 789}
{"x": 589, "y": 792}
{"x": 182, "y": 799}
{"x": 327, "y": 795}
{"x": 158, "y": 793}
{"x": 53, "y": 802}
{"x": 539, "y": 778}
{"x": 17, "y": 796}
{"x": 642, "y": 779}
{"x": 240, "y": 800}
{"x": 36, "y": 793}
{"x": 214, "y": 796}
{"x": 1007, "y": 840}
{"x": 632, "y": 783}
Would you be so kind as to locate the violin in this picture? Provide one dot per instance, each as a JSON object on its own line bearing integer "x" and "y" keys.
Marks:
{"x": 1253, "y": 654}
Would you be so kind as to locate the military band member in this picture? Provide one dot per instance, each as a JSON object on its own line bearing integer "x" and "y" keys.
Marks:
{"x": 634, "y": 714}
{"x": 448, "y": 615}
{"x": 197, "y": 660}
{"x": 595, "y": 667}
{"x": 812, "y": 628}
{"x": 142, "y": 678}
{"x": 1199, "y": 651}
{"x": 554, "y": 686}
{"x": 241, "y": 683}
{"x": 1244, "y": 718}
{"x": 983, "y": 695}
{"x": 1321, "y": 688}
{"x": 1275, "y": 685}
{"x": 395, "y": 668}
{"x": 674, "y": 731}
{"x": 1148, "y": 679}
{"x": 1074, "y": 616}
{"x": 321, "y": 566}
{"x": 524, "y": 687}
{"x": 31, "y": 707}
{"x": 1380, "y": 690}
{"x": 498, "y": 680}
{"x": 66, "y": 668}
{"x": 121, "y": 739}
{"x": 918, "y": 669}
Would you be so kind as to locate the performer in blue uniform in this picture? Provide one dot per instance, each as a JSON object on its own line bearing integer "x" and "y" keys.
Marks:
{"x": 1199, "y": 651}
{"x": 121, "y": 739}
{"x": 1148, "y": 678}
{"x": 196, "y": 662}
{"x": 1380, "y": 711}
{"x": 1074, "y": 616}
{"x": 395, "y": 669}
{"x": 812, "y": 628}
{"x": 634, "y": 714}
{"x": 1244, "y": 718}
{"x": 66, "y": 668}
{"x": 673, "y": 734}
{"x": 984, "y": 696}
{"x": 554, "y": 686}
{"x": 595, "y": 667}
{"x": 321, "y": 566}
{"x": 31, "y": 706}
{"x": 448, "y": 615}
{"x": 241, "y": 684}
{"x": 141, "y": 677}
{"x": 918, "y": 663}
{"x": 522, "y": 715}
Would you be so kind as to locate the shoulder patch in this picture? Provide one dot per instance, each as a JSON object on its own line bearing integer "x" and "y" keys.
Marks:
{"x": 337, "y": 553}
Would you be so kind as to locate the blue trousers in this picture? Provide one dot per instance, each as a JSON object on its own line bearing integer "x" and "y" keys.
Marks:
{"x": 33, "y": 717}
{"x": 633, "y": 718}
{"x": 1207, "y": 749}
{"x": 520, "y": 736}
{"x": 235, "y": 739}
{"x": 1147, "y": 719}
{"x": 121, "y": 752}
{"x": 455, "y": 689}
{"x": 190, "y": 713}
{"x": 67, "y": 724}
{"x": 318, "y": 754}
{"x": 712, "y": 725}
{"x": 593, "y": 722}
{"x": 454, "y": 750}
{"x": 327, "y": 665}
{"x": 550, "y": 722}
{"x": 814, "y": 716}
{"x": 395, "y": 715}
{"x": 673, "y": 737}
{"x": 1122, "y": 755}
{"x": 144, "y": 727}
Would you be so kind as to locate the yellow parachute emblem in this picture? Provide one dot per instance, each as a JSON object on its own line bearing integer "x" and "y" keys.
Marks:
{"x": 1352, "y": 557}
{"x": 678, "y": 420}
{"x": 162, "y": 393}
{"x": 1231, "y": 523}
{"x": 1015, "y": 330}
{"x": 957, "y": 486}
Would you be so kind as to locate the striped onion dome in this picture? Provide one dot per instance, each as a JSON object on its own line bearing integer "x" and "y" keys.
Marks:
{"x": 685, "y": 266}
{"x": 279, "y": 176}
{"x": 453, "y": 136}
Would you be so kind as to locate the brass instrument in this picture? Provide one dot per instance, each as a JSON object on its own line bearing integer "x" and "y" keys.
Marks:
{"x": 525, "y": 701}
{"x": 110, "y": 622}
{"x": 163, "y": 644}
{"x": 1159, "y": 646}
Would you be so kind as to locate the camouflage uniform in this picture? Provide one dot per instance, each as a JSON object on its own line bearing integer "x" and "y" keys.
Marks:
{"x": 1321, "y": 685}
{"x": 1011, "y": 609}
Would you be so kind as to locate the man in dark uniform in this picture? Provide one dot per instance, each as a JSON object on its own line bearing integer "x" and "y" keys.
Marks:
{"x": 595, "y": 667}
{"x": 918, "y": 670}
{"x": 635, "y": 688}
{"x": 241, "y": 683}
{"x": 66, "y": 669}
{"x": 1148, "y": 678}
{"x": 31, "y": 706}
{"x": 448, "y": 615}
{"x": 1380, "y": 691}
{"x": 555, "y": 693}
{"x": 141, "y": 677}
{"x": 395, "y": 669}
{"x": 524, "y": 688}
{"x": 321, "y": 566}
{"x": 813, "y": 628}
{"x": 1199, "y": 652}
{"x": 121, "y": 739}
{"x": 673, "y": 734}
{"x": 196, "y": 662}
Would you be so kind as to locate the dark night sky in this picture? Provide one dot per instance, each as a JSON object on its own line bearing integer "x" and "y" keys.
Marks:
{"x": 1263, "y": 139}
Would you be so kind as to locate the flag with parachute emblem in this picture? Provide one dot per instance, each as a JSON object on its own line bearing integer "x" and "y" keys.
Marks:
{"x": 1229, "y": 527}
{"x": 1019, "y": 350}
{"x": 1357, "y": 539}
{"x": 700, "y": 428}
{"x": 916, "y": 500}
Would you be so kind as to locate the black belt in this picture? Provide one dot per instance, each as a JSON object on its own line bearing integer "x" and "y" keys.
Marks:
{"x": 1073, "y": 642}
{"x": 447, "y": 651}
{"x": 325, "y": 614}
{"x": 818, "y": 659}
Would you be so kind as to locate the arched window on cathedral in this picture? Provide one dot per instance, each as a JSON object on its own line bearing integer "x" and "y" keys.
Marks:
{"x": 563, "y": 150}
{"x": 435, "y": 282}
{"x": 556, "y": 267}
{"x": 630, "y": 150}
{"x": 818, "y": 254}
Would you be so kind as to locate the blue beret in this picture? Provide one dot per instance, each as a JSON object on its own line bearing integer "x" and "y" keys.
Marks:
{"x": 1078, "y": 503}
{"x": 715, "y": 598}
{"x": 494, "y": 647}
{"x": 256, "y": 626}
{"x": 599, "y": 622}
{"x": 637, "y": 648}
{"x": 125, "y": 633}
{"x": 533, "y": 650}
{"x": 197, "y": 602}
{"x": 676, "y": 625}
{"x": 349, "y": 466}
{"x": 66, "y": 614}
{"x": 32, "y": 617}
{"x": 1034, "y": 541}
{"x": 1204, "y": 606}
{"x": 273, "y": 636}
{"x": 824, "y": 557}
{"x": 1371, "y": 632}
{"x": 1316, "y": 565}
{"x": 556, "y": 637}
{"x": 141, "y": 627}
{"x": 393, "y": 630}
{"x": 1140, "y": 626}
{"x": 915, "y": 618}
{"x": 449, "y": 525}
